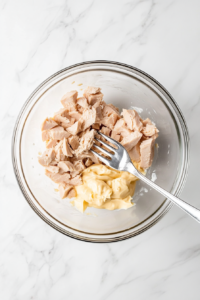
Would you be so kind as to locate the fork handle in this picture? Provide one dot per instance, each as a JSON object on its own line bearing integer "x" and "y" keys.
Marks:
{"x": 189, "y": 209}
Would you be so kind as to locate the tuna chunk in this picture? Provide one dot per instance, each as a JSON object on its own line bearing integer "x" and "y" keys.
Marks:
{"x": 73, "y": 142}
{"x": 109, "y": 121}
{"x": 71, "y": 194}
{"x": 76, "y": 127}
{"x": 131, "y": 140}
{"x": 90, "y": 155}
{"x": 64, "y": 190}
{"x": 57, "y": 177}
{"x": 147, "y": 152}
{"x": 110, "y": 109}
{"x": 88, "y": 118}
{"x": 63, "y": 117}
{"x": 48, "y": 124}
{"x": 134, "y": 153}
{"x": 66, "y": 166}
{"x": 75, "y": 114}
{"x": 98, "y": 108}
{"x": 66, "y": 149}
{"x": 51, "y": 144}
{"x": 96, "y": 126}
{"x": 106, "y": 131}
{"x": 149, "y": 130}
{"x": 91, "y": 90}
{"x": 115, "y": 136}
{"x": 92, "y": 99}
{"x": 47, "y": 157}
{"x": 83, "y": 102}
{"x": 52, "y": 169}
{"x": 86, "y": 142}
{"x": 58, "y": 133}
{"x": 120, "y": 128}
{"x": 132, "y": 119}
{"x": 88, "y": 162}
{"x": 46, "y": 135}
{"x": 77, "y": 180}
{"x": 147, "y": 121}
{"x": 69, "y": 98}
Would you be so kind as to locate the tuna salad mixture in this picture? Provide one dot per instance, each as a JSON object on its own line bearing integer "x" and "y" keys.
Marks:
{"x": 69, "y": 136}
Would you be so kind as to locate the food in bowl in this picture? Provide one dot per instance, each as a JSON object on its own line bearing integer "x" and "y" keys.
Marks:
{"x": 69, "y": 136}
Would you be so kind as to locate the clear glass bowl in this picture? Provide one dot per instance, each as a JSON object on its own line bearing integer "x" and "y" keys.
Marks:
{"x": 125, "y": 87}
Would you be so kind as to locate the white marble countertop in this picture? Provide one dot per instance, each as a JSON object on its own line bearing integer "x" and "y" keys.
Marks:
{"x": 41, "y": 37}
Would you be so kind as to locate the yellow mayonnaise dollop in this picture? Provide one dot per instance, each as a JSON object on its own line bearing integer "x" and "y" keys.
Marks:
{"x": 106, "y": 188}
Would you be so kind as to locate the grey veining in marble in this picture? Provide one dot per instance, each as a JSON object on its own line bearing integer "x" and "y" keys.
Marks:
{"x": 37, "y": 39}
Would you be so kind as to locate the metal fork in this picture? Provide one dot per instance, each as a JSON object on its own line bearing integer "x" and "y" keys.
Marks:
{"x": 120, "y": 160}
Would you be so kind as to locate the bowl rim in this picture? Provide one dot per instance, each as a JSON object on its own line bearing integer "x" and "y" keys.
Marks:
{"x": 162, "y": 213}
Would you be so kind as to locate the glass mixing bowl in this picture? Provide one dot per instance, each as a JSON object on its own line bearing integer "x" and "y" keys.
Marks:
{"x": 125, "y": 87}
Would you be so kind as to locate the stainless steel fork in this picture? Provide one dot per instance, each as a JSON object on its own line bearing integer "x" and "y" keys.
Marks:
{"x": 120, "y": 160}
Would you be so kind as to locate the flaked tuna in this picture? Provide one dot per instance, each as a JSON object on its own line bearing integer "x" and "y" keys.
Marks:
{"x": 131, "y": 140}
{"x": 120, "y": 128}
{"x": 105, "y": 130}
{"x": 71, "y": 194}
{"x": 47, "y": 157}
{"x": 66, "y": 166}
{"x": 77, "y": 180}
{"x": 149, "y": 130}
{"x": 73, "y": 142}
{"x": 75, "y": 128}
{"x": 75, "y": 115}
{"x": 48, "y": 124}
{"x": 58, "y": 133}
{"x": 88, "y": 162}
{"x": 66, "y": 148}
{"x": 88, "y": 118}
{"x": 69, "y": 99}
{"x": 57, "y": 177}
{"x": 86, "y": 142}
{"x": 147, "y": 153}
{"x": 51, "y": 144}
{"x": 53, "y": 169}
{"x": 109, "y": 121}
{"x": 64, "y": 190}
{"x": 134, "y": 153}
{"x": 132, "y": 119}
{"x": 115, "y": 136}
{"x": 83, "y": 102}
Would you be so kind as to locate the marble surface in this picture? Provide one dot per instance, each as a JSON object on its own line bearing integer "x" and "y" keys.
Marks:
{"x": 37, "y": 39}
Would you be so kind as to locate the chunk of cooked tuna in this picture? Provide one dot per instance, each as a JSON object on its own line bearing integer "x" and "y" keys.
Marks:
{"x": 69, "y": 98}
{"x": 90, "y": 155}
{"x": 75, "y": 114}
{"x": 149, "y": 130}
{"x": 88, "y": 118}
{"x": 66, "y": 148}
{"x": 66, "y": 166}
{"x": 86, "y": 142}
{"x": 83, "y": 102}
{"x": 91, "y": 90}
{"x": 52, "y": 169}
{"x": 71, "y": 194}
{"x": 98, "y": 108}
{"x": 109, "y": 121}
{"x": 47, "y": 157}
{"x": 76, "y": 127}
{"x": 146, "y": 121}
{"x": 147, "y": 153}
{"x": 131, "y": 140}
{"x": 64, "y": 190}
{"x": 57, "y": 177}
{"x": 46, "y": 135}
{"x": 132, "y": 119}
{"x": 73, "y": 142}
{"x": 48, "y": 124}
{"x": 58, "y": 133}
{"x": 134, "y": 153}
{"x": 120, "y": 128}
{"x": 109, "y": 109}
{"x": 115, "y": 136}
{"x": 88, "y": 162}
{"x": 77, "y": 180}
{"x": 96, "y": 126}
{"x": 51, "y": 144}
{"x": 105, "y": 130}
{"x": 92, "y": 99}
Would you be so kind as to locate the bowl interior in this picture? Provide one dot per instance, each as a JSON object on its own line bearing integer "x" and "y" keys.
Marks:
{"x": 125, "y": 88}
